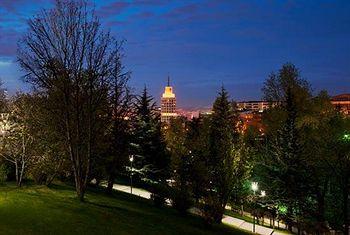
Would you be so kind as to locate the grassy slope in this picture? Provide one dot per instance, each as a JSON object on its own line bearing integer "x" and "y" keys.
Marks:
{"x": 55, "y": 210}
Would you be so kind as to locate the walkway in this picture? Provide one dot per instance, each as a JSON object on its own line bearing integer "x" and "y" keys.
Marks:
{"x": 229, "y": 220}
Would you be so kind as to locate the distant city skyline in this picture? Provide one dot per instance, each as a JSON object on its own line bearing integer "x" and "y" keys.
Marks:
{"x": 204, "y": 44}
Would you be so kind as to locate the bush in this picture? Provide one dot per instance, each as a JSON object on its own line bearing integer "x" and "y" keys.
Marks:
{"x": 212, "y": 210}
{"x": 160, "y": 193}
{"x": 181, "y": 200}
{"x": 3, "y": 173}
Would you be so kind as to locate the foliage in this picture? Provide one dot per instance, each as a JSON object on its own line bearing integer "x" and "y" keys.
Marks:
{"x": 221, "y": 169}
{"x": 17, "y": 141}
{"x": 119, "y": 130}
{"x": 301, "y": 153}
{"x": 181, "y": 156}
{"x": 149, "y": 147}
{"x": 3, "y": 173}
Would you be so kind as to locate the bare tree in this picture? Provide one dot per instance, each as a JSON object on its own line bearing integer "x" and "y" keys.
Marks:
{"x": 71, "y": 59}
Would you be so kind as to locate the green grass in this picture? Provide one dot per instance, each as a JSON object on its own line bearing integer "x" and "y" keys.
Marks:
{"x": 55, "y": 210}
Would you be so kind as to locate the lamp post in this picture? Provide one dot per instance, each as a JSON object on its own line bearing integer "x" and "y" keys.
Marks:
{"x": 131, "y": 159}
{"x": 255, "y": 188}
{"x": 262, "y": 194}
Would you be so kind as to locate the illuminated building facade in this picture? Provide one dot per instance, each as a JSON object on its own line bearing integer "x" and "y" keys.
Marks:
{"x": 342, "y": 103}
{"x": 168, "y": 104}
{"x": 255, "y": 106}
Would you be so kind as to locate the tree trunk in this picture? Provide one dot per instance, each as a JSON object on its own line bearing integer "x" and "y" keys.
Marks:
{"x": 80, "y": 188}
{"x": 320, "y": 210}
{"x": 346, "y": 206}
{"x": 21, "y": 174}
{"x": 16, "y": 172}
{"x": 111, "y": 179}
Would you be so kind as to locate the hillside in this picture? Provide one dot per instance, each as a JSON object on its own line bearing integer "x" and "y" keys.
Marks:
{"x": 55, "y": 210}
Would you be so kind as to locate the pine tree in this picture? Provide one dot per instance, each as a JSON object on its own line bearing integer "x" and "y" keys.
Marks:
{"x": 287, "y": 174}
{"x": 221, "y": 159}
{"x": 151, "y": 157}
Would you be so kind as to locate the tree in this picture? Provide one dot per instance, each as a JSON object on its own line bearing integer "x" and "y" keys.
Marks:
{"x": 50, "y": 159}
{"x": 338, "y": 162}
{"x": 152, "y": 159}
{"x": 3, "y": 98}
{"x": 17, "y": 141}
{"x": 119, "y": 131}
{"x": 69, "y": 58}
{"x": 196, "y": 141}
{"x": 222, "y": 156}
{"x": 181, "y": 157}
{"x": 284, "y": 159}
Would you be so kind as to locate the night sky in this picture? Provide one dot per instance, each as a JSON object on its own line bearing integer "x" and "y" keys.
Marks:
{"x": 204, "y": 44}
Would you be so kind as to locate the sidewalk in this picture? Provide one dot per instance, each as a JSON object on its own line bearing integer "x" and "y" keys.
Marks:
{"x": 246, "y": 225}
{"x": 229, "y": 220}
{"x": 135, "y": 191}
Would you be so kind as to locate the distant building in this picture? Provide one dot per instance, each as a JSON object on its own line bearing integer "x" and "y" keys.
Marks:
{"x": 168, "y": 104}
{"x": 254, "y": 106}
{"x": 342, "y": 103}
{"x": 205, "y": 113}
{"x": 249, "y": 119}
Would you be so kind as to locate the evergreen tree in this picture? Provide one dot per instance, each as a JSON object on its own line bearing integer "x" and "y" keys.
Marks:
{"x": 196, "y": 142}
{"x": 221, "y": 159}
{"x": 180, "y": 164}
{"x": 120, "y": 111}
{"x": 151, "y": 158}
{"x": 287, "y": 174}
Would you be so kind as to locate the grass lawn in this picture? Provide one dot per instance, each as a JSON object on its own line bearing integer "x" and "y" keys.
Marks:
{"x": 55, "y": 210}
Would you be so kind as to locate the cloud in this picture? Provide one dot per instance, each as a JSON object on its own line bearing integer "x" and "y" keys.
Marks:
{"x": 143, "y": 15}
{"x": 8, "y": 40}
{"x": 5, "y": 63}
{"x": 182, "y": 11}
{"x": 113, "y": 8}
{"x": 13, "y": 5}
{"x": 150, "y": 2}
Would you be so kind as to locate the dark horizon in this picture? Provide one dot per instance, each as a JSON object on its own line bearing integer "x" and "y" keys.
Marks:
{"x": 204, "y": 44}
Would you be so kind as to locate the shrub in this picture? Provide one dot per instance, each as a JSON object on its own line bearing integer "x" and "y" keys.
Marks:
{"x": 181, "y": 200}
{"x": 212, "y": 210}
{"x": 160, "y": 193}
{"x": 3, "y": 173}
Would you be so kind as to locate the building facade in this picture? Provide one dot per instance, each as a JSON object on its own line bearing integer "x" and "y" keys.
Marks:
{"x": 342, "y": 103}
{"x": 254, "y": 106}
{"x": 168, "y": 104}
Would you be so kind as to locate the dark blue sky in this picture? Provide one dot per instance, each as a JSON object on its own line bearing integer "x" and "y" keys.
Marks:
{"x": 203, "y": 44}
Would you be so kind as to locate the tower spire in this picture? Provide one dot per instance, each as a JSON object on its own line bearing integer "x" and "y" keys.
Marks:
{"x": 168, "y": 80}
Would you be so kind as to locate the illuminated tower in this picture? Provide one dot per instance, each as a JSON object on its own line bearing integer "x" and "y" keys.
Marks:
{"x": 168, "y": 109}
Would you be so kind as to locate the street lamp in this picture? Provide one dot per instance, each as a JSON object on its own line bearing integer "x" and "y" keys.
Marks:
{"x": 255, "y": 187}
{"x": 131, "y": 159}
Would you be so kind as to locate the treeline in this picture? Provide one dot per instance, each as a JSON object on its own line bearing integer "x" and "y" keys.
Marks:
{"x": 81, "y": 123}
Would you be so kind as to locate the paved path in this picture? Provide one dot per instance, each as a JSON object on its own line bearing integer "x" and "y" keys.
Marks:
{"x": 246, "y": 225}
{"x": 135, "y": 191}
{"x": 239, "y": 223}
